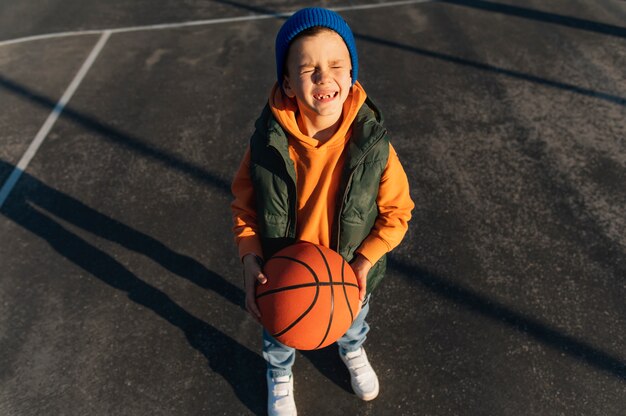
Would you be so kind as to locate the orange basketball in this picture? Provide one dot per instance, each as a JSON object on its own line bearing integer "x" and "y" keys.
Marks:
{"x": 311, "y": 296}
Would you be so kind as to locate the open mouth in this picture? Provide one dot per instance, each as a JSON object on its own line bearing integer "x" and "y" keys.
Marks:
{"x": 325, "y": 97}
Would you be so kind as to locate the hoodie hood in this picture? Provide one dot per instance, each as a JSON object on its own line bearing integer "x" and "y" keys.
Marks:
{"x": 285, "y": 111}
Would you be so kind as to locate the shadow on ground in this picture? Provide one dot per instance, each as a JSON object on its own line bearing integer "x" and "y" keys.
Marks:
{"x": 35, "y": 206}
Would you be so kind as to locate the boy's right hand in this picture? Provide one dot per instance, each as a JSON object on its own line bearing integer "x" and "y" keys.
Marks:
{"x": 252, "y": 274}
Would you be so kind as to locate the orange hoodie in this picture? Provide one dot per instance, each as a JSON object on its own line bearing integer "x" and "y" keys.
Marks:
{"x": 318, "y": 174}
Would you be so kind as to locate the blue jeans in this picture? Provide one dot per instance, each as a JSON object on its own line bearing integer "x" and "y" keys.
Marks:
{"x": 280, "y": 358}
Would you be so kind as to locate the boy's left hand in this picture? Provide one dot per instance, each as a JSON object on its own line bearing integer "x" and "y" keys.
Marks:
{"x": 361, "y": 267}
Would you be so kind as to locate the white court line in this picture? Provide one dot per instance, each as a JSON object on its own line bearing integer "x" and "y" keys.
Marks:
{"x": 52, "y": 118}
{"x": 202, "y": 22}
{"x": 50, "y": 36}
{"x": 379, "y": 5}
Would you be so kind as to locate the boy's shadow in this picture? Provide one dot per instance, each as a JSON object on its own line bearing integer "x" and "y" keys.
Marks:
{"x": 328, "y": 363}
{"x": 33, "y": 205}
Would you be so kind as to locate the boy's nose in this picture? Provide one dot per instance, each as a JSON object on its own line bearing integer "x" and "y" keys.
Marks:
{"x": 321, "y": 76}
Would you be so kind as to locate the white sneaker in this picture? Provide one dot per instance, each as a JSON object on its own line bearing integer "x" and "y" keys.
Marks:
{"x": 362, "y": 376}
{"x": 280, "y": 400}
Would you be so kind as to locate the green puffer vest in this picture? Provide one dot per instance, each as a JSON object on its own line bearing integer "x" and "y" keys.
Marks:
{"x": 273, "y": 175}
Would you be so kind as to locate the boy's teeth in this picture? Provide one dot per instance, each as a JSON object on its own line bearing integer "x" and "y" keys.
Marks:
{"x": 322, "y": 97}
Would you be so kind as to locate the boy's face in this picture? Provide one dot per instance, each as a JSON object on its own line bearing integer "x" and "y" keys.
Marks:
{"x": 318, "y": 69}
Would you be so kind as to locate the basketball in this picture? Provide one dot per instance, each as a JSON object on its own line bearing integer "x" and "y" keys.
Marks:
{"x": 311, "y": 296}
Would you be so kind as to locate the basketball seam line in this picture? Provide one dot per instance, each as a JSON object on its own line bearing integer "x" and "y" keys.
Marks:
{"x": 332, "y": 297}
{"x": 317, "y": 291}
{"x": 303, "y": 285}
{"x": 345, "y": 293}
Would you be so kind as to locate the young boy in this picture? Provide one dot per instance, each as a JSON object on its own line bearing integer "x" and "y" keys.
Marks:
{"x": 319, "y": 168}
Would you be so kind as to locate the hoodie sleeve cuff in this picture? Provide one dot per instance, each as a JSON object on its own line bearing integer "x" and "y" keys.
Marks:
{"x": 373, "y": 248}
{"x": 250, "y": 245}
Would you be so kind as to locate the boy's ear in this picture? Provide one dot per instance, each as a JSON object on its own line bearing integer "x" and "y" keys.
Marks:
{"x": 287, "y": 87}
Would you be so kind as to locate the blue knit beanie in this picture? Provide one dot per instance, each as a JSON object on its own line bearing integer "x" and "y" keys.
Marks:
{"x": 305, "y": 19}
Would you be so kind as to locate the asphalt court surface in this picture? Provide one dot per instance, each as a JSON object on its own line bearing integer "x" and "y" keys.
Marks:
{"x": 120, "y": 290}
